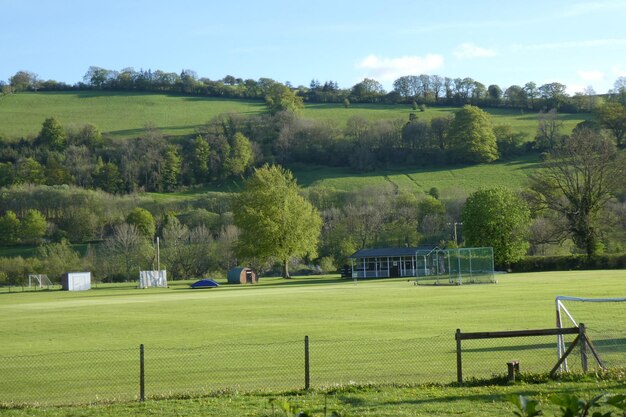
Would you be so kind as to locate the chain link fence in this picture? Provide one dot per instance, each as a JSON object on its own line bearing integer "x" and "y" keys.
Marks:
{"x": 114, "y": 375}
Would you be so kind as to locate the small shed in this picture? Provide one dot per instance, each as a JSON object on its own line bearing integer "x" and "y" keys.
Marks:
{"x": 242, "y": 276}
{"x": 76, "y": 281}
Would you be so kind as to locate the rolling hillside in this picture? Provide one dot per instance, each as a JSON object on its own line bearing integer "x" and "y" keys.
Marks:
{"x": 124, "y": 115}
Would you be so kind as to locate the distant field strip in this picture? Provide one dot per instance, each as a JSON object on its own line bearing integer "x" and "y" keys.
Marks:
{"x": 125, "y": 114}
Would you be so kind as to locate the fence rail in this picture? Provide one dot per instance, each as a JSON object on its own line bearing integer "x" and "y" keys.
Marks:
{"x": 148, "y": 371}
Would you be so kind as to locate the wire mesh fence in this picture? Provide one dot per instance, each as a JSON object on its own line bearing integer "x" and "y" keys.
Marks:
{"x": 115, "y": 375}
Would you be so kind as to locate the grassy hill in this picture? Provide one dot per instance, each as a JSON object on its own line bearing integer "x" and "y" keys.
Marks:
{"x": 124, "y": 115}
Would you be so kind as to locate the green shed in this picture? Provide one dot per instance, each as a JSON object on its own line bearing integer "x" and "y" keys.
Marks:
{"x": 242, "y": 276}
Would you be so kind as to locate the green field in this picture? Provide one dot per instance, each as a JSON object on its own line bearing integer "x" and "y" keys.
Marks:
{"x": 125, "y": 115}
{"x": 86, "y": 344}
{"x": 120, "y": 115}
{"x": 513, "y": 174}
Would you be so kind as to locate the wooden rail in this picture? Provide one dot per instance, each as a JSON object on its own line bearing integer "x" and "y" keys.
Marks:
{"x": 460, "y": 336}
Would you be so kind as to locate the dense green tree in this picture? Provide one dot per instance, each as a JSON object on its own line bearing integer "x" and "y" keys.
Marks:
{"x": 498, "y": 218}
{"x": 58, "y": 259}
{"x": 200, "y": 159}
{"x": 276, "y": 222}
{"x": 554, "y": 94}
{"x": 23, "y": 81}
{"x": 33, "y": 226}
{"x": 172, "y": 166}
{"x": 7, "y": 174}
{"x": 577, "y": 181}
{"x": 368, "y": 90}
{"x": 99, "y": 77}
{"x": 29, "y": 171}
{"x": 52, "y": 135}
{"x": 471, "y": 136}
{"x": 530, "y": 89}
{"x": 281, "y": 98}
{"x": 515, "y": 96}
{"x": 509, "y": 142}
{"x": 240, "y": 155}
{"x": 107, "y": 177}
{"x": 89, "y": 135}
{"x": 9, "y": 228}
{"x": 143, "y": 220}
{"x": 612, "y": 116}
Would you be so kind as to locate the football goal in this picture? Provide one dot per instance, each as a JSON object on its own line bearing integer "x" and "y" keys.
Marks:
{"x": 604, "y": 327}
{"x": 149, "y": 279}
{"x": 39, "y": 281}
{"x": 455, "y": 266}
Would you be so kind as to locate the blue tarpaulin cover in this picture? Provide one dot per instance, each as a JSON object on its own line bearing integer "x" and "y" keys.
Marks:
{"x": 205, "y": 283}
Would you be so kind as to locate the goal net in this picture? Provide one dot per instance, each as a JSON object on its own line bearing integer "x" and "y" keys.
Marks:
{"x": 604, "y": 324}
{"x": 456, "y": 266}
{"x": 39, "y": 281}
{"x": 149, "y": 279}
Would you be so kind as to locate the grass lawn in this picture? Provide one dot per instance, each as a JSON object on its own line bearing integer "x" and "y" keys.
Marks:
{"x": 512, "y": 174}
{"x": 251, "y": 338}
{"x": 125, "y": 114}
{"x": 382, "y": 401}
{"x": 118, "y": 114}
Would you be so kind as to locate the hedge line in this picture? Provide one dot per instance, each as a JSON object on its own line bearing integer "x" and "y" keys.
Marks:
{"x": 567, "y": 263}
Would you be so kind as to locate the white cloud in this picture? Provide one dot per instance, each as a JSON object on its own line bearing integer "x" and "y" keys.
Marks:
{"x": 470, "y": 51}
{"x": 592, "y": 75}
{"x": 389, "y": 69}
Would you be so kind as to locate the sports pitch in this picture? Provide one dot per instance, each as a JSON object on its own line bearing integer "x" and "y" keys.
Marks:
{"x": 377, "y": 319}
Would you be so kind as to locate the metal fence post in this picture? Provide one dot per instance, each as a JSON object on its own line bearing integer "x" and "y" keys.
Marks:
{"x": 307, "y": 374}
{"x": 142, "y": 375}
{"x": 459, "y": 363}
{"x": 583, "y": 347}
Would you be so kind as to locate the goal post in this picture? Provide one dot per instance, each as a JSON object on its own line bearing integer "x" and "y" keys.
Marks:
{"x": 604, "y": 325}
{"x": 39, "y": 281}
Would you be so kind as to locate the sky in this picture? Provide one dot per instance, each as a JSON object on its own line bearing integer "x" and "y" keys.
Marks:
{"x": 577, "y": 43}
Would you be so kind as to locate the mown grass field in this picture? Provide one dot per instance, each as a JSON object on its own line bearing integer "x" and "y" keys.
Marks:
{"x": 125, "y": 115}
{"x": 250, "y": 333}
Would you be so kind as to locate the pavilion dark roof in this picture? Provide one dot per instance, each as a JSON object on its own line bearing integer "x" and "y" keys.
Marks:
{"x": 390, "y": 252}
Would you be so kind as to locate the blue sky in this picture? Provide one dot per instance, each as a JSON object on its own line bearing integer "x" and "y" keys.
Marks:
{"x": 577, "y": 43}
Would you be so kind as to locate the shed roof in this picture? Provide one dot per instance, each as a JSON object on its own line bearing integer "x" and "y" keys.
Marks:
{"x": 388, "y": 252}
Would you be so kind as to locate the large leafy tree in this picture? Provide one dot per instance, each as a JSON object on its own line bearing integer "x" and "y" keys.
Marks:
{"x": 496, "y": 217}
{"x": 612, "y": 116}
{"x": 52, "y": 134}
{"x": 282, "y": 98}
{"x": 9, "y": 228}
{"x": 276, "y": 222}
{"x": 471, "y": 136}
{"x": 143, "y": 220}
{"x": 577, "y": 181}
{"x": 240, "y": 156}
{"x": 33, "y": 226}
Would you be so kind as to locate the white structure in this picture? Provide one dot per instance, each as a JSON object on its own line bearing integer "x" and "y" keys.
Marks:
{"x": 39, "y": 281}
{"x": 152, "y": 279}
{"x": 604, "y": 326}
{"x": 77, "y": 281}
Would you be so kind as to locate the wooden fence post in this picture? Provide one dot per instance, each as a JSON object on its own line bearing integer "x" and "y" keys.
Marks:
{"x": 142, "y": 375}
{"x": 307, "y": 374}
{"x": 459, "y": 364}
{"x": 583, "y": 347}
